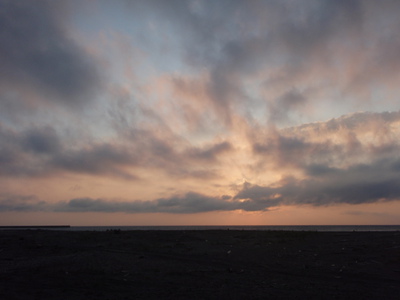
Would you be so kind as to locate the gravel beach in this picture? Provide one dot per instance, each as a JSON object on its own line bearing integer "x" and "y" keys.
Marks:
{"x": 209, "y": 264}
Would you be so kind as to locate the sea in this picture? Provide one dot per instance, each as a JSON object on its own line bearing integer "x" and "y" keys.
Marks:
{"x": 332, "y": 228}
{"x": 246, "y": 227}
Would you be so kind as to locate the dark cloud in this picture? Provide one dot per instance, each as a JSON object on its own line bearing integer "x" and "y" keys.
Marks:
{"x": 291, "y": 100}
{"x": 315, "y": 170}
{"x": 323, "y": 146}
{"x": 102, "y": 159}
{"x": 13, "y": 161}
{"x": 209, "y": 153}
{"x": 41, "y": 140}
{"x": 42, "y": 151}
{"x": 352, "y": 159}
{"x": 357, "y": 184}
{"x": 282, "y": 151}
{"x": 190, "y": 202}
{"x": 20, "y": 203}
{"x": 165, "y": 151}
{"x": 38, "y": 54}
{"x": 187, "y": 203}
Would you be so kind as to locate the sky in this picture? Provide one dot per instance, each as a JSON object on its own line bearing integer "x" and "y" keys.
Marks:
{"x": 276, "y": 112}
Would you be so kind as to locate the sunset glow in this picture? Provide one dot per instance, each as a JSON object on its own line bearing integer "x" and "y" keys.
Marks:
{"x": 199, "y": 112}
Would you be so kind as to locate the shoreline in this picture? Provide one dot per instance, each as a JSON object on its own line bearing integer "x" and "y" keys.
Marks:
{"x": 318, "y": 228}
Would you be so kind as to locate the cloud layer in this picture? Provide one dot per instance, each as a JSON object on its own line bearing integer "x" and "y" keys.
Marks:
{"x": 353, "y": 159}
{"x": 37, "y": 53}
{"x": 198, "y": 106}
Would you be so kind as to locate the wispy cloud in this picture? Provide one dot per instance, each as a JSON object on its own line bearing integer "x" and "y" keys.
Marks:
{"x": 199, "y": 105}
{"x": 315, "y": 168}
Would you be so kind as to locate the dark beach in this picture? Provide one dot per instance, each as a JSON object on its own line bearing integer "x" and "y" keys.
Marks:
{"x": 211, "y": 264}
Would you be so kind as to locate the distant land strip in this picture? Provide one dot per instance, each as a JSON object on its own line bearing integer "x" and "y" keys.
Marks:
{"x": 35, "y": 226}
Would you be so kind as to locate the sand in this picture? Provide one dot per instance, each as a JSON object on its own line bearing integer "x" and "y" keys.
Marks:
{"x": 215, "y": 264}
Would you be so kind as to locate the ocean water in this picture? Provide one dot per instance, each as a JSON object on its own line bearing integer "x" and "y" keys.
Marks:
{"x": 336, "y": 228}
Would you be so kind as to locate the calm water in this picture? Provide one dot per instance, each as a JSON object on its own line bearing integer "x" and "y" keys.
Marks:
{"x": 260, "y": 227}
{"x": 289, "y": 228}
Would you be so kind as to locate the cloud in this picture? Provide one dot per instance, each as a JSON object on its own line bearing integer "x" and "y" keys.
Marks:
{"x": 357, "y": 184}
{"x": 187, "y": 203}
{"x": 209, "y": 153}
{"x": 38, "y": 54}
{"x": 213, "y": 111}
{"x": 40, "y": 151}
{"x": 41, "y": 140}
{"x": 43, "y": 151}
{"x": 291, "y": 54}
{"x": 332, "y": 190}
{"x": 249, "y": 198}
{"x": 340, "y": 142}
{"x": 352, "y": 159}
{"x": 190, "y": 202}
{"x": 285, "y": 49}
{"x": 20, "y": 203}
{"x": 100, "y": 159}
{"x": 289, "y": 101}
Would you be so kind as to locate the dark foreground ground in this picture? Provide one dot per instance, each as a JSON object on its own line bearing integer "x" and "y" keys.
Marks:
{"x": 44, "y": 264}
